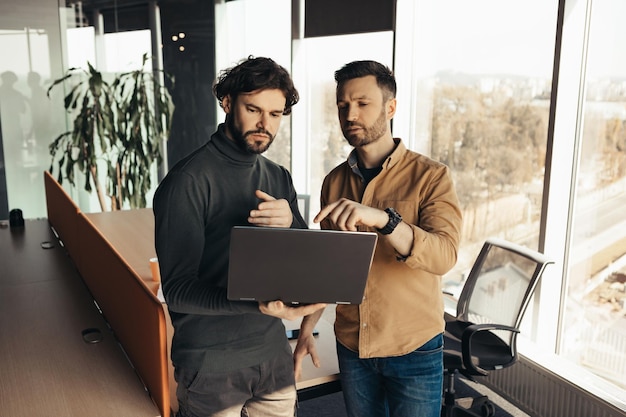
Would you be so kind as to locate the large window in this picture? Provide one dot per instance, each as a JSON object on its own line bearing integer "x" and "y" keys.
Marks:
{"x": 261, "y": 29}
{"x": 479, "y": 102}
{"x": 595, "y": 310}
{"x": 318, "y": 142}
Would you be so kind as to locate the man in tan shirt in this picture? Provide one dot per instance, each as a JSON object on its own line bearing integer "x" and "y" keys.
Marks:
{"x": 390, "y": 347}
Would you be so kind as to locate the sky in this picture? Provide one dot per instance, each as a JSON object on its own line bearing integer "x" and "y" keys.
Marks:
{"x": 495, "y": 36}
{"x": 518, "y": 36}
{"x": 607, "y": 50}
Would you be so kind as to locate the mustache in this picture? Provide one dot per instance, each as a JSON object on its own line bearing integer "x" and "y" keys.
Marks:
{"x": 352, "y": 124}
{"x": 258, "y": 131}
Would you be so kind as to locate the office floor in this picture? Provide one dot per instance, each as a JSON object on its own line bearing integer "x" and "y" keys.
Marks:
{"x": 332, "y": 405}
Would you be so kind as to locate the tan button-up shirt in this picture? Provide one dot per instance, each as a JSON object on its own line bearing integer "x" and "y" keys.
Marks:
{"x": 403, "y": 305}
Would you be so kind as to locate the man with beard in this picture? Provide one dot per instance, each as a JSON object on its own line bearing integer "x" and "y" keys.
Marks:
{"x": 390, "y": 347}
{"x": 231, "y": 358}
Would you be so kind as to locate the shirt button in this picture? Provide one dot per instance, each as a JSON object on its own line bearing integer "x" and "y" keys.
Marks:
{"x": 364, "y": 324}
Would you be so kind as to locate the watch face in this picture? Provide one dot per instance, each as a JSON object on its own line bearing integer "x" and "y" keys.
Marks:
{"x": 396, "y": 218}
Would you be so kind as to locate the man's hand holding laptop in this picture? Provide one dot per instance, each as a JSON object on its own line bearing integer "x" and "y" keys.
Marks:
{"x": 283, "y": 311}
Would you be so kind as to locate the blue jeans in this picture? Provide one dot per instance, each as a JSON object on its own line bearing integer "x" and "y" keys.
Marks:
{"x": 400, "y": 386}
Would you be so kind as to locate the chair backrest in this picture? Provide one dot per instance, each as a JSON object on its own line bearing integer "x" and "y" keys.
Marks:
{"x": 500, "y": 284}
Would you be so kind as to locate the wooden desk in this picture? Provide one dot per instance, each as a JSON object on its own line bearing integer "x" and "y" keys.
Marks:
{"x": 316, "y": 382}
{"x": 131, "y": 233}
{"x": 47, "y": 367}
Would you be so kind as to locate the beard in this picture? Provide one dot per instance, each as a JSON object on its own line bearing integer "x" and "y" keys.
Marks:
{"x": 245, "y": 141}
{"x": 368, "y": 134}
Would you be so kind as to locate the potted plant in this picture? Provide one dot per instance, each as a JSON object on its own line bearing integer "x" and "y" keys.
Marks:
{"x": 123, "y": 124}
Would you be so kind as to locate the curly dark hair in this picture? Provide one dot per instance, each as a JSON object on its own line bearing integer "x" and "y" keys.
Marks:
{"x": 357, "y": 69}
{"x": 253, "y": 74}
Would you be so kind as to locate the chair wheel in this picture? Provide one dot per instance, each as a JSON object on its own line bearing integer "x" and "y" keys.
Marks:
{"x": 487, "y": 409}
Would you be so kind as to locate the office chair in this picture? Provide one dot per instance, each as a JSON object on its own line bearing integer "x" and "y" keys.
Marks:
{"x": 482, "y": 337}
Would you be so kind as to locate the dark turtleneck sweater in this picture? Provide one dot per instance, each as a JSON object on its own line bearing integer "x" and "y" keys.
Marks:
{"x": 195, "y": 207}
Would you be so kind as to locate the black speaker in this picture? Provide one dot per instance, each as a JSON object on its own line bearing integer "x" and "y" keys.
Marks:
{"x": 16, "y": 219}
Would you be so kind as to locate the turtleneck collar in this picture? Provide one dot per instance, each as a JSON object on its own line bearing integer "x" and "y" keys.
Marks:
{"x": 229, "y": 149}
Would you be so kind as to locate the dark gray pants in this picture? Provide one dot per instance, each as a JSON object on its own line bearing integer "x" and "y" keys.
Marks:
{"x": 267, "y": 389}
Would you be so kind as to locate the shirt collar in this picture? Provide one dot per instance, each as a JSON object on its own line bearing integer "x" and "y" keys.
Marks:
{"x": 390, "y": 161}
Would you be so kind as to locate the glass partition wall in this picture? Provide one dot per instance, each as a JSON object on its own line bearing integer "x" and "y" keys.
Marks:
{"x": 53, "y": 37}
{"x": 31, "y": 49}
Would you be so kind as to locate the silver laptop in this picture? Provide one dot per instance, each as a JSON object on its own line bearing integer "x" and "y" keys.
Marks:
{"x": 299, "y": 266}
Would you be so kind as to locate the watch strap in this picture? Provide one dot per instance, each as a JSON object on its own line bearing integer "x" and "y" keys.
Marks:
{"x": 394, "y": 219}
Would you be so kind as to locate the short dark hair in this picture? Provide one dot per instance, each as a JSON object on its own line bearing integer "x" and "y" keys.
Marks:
{"x": 253, "y": 74}
{"x": 357, "y": 69}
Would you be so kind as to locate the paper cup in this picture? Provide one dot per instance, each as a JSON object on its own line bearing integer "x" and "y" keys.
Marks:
{"x": 154, "y": 268}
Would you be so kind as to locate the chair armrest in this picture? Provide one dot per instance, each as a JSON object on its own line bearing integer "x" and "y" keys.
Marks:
{"x": 466, "y": 343}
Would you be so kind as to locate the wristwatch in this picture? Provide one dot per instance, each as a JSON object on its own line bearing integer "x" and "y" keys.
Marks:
{"x": 394, "y": 220}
